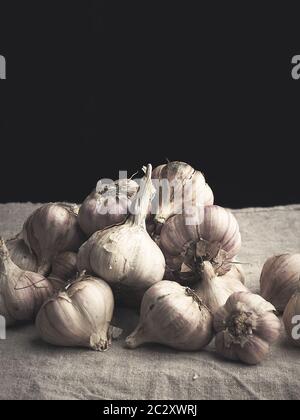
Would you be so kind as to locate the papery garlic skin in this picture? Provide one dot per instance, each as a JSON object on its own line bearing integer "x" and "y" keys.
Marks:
{"x": 64, "y": 266}
{"x": 208, "y": 196}
{"x": 280, "y": 279}
{"x": 21, "y": 292}
{"x": 215, "y": 290}
{"x": 50, "y": 230}
{"x": 125, "y": 255}
{"x": 246, "y": 327}
{"x": 211, "y": 233}
{"x": 21, "y": 254}
{"x": 107, "y": 206}
{"x": 291, "y": 319}
{"x": 178, "y": 185}
{"x": 79, "y": 316}
{"x": 172, "y": 315}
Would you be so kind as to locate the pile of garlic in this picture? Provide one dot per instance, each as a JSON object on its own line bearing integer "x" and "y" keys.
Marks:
{"x": 173, "y": 258}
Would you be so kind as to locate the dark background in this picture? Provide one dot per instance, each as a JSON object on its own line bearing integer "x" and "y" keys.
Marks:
{"x": 95, "y": 87}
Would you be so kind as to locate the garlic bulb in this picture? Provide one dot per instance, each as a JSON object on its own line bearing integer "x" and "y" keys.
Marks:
{"x": 213, "y": 290}
{"x": 50, "y": 230}
{"x": 291, "y": 318}
{"x": 246, "y": 326}
{"x": 21, "y": 254}
{"x": 178, "y": 185}
{"x": 280, "y": 278}
{"x": 124, "y": 255}
{"x": 211, "y": 233}
{"x": 78, "y": 316}
{"x": 21, "y": 292}
{"x": 172, "y": 315}
{"x": 64, "y": 266}
{"x": 107, "y": 205}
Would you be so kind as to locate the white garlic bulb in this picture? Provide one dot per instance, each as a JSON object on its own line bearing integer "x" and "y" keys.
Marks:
{"x": 50, "y": 230}
{"x": 78, "y": 316}
{"x": 280, "y": 278}
{"x": 172, "y": 315}
{"x": 215, "y": 290}
{"x": 21, "y": 292}
{"x": 21, "y": 254}
{"x": 211, "y": 233}
{"x": 124, "y": 255}
{"x": 246, "y": 326}
{"x": 107, "y": 205}
{"x": 291, "y": 319}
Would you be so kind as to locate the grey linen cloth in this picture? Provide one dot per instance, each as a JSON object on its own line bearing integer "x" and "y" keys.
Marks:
{"x": 31, "y": 369}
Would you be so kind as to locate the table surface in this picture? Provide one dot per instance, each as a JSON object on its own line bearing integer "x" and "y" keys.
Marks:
{"x": 31, "y": 369}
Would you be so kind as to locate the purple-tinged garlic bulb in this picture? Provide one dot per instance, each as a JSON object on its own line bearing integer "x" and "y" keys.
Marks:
{"x": 208, "y": 234}
{"x": 172, "y": 315}
{"x": 50, "y": 230}
{"x": 78, "y": 316}
{"x": 21, "y": 292}
{"x": 215, "y": 290}
{"x": 280, "y": 278}
{"x": 21, "y": 254}
{"x": 291, "y": 319}
{"x": 108, "y": 205}
{"x": 246, "y": 326}
{"x": 125, "y": 255}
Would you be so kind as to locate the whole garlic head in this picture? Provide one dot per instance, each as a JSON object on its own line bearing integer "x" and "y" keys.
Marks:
{"x": 280, "y": 279}
{"x": 78, "y": 316}
{"x": 246, "y": 326}
{"x": 172, "y": 315}
{"x": 207, "y": 234}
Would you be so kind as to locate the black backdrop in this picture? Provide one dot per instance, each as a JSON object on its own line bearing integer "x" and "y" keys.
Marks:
{"x": 93, "y": 87}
